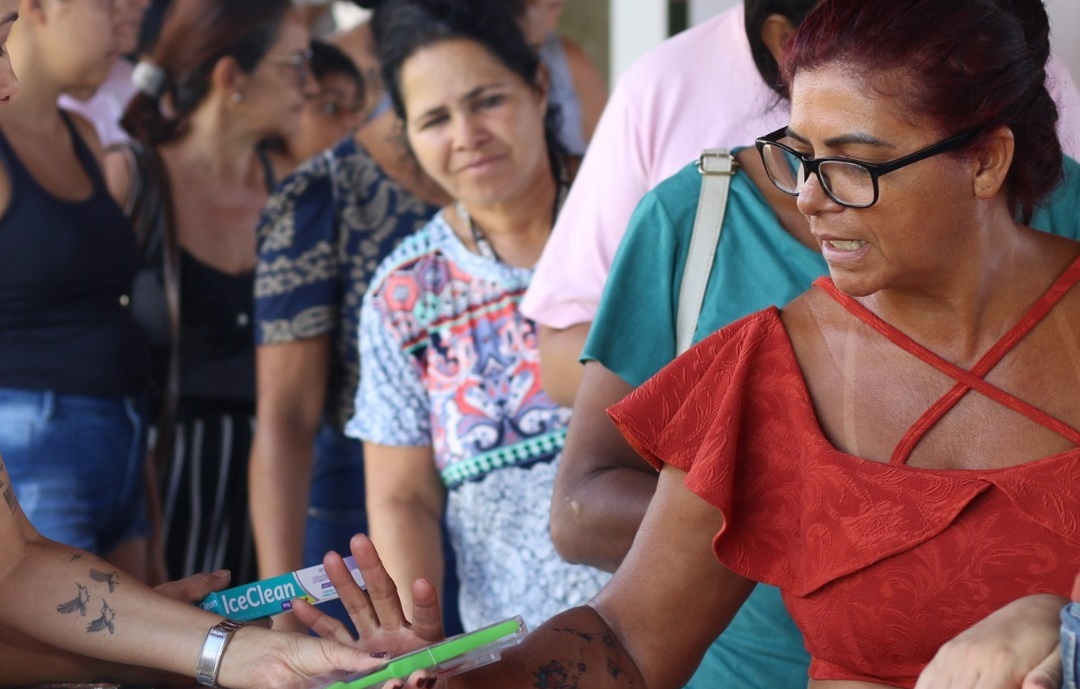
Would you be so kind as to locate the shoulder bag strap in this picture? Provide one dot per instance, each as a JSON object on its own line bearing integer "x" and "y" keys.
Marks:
{"x": 143, "y": 205}
{"x": 150, "y": 206}
{"x": 716, "y": 167}
{"x": 171, "y": 277}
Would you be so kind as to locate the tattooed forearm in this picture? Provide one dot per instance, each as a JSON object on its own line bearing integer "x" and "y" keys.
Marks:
{"x": 110, "y": 578}
{"x": 571, "y": 673}
{"x": 555, "y": 675}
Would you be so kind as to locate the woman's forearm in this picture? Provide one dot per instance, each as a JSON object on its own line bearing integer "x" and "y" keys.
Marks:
{"x": 279, "y": 487}
{"x": 69, "y": 599}
{"x": 576, "y": 648}
{"x": 595, "y": 518}
{"x": 409, "y": 540}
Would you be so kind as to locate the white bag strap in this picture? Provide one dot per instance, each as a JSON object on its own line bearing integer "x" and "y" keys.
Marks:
{"x": 716, "y": 166}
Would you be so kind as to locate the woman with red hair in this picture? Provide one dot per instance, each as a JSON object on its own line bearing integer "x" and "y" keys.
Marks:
{"x": 896, "y": 449}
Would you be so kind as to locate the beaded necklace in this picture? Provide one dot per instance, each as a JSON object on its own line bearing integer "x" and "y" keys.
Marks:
{"x": 483, "y": 245}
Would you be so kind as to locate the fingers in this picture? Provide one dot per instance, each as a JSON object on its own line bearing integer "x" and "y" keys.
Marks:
{"x": 337, "y": 657}
{"x": 421, "y": 679}
{"x": 427, "y": 615}
{"x": 322, "y": 624}
{"x": 196, "y": 587}
{"x": 1047, "y": 674}
{"x": 381, "y": 590}
{"x": 355, "y": 600}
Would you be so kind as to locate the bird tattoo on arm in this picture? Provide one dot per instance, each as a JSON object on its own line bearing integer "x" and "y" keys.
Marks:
{"x": 103, "y": 622}
{"x": 110, "y": 578}
{"x": 76, "y": 604}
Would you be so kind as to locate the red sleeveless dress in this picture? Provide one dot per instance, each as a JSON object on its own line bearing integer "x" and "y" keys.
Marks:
{"x": 879, "y": 563}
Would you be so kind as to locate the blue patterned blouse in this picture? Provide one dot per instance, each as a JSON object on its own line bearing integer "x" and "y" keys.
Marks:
{"x": 323, "y": 233}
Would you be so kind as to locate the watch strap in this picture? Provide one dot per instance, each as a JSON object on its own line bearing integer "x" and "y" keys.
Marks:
{"x": 213, "y": 649}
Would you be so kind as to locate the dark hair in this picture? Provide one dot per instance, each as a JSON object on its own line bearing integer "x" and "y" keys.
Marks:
{"x": 516, "y": 8}
{"x": 403, "y": 27}
{"x": 195, "y": 35}
{"x": 327, "y": 58}
{"x": 972, "y": 64}
{"x": 755, "y": 12}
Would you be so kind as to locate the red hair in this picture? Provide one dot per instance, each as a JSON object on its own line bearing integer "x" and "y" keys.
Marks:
{"x": 971, "y": 64}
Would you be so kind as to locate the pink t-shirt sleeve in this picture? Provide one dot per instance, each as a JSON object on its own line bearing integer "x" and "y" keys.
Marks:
{"x": 699, "y": 89}
{"x": 1065, "y": 94}
{"x": 570, "y": 276}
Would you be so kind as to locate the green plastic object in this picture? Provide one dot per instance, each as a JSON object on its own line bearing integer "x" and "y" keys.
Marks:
{"x": 454, "y": 655}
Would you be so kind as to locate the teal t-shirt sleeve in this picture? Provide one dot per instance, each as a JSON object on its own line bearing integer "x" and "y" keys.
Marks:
{"x": 1060, "y": 214}
{"x": 633, "y": 334}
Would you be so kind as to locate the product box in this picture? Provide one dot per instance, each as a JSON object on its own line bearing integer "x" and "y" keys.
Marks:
{"x": 274, "y": 595}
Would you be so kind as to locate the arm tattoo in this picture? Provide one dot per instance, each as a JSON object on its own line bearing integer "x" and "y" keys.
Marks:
{"x": 77, "y": 555}
{"x": 9, "y": 497}
{"x": 570, "y": 674}
{"x": 555, "y": 675}
{"x": 76, "y": 604}
{"x": 110, "y": 578}
{"x": 103, "y": 622}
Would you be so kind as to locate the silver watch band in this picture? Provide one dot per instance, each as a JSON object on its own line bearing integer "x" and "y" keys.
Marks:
{"x": 213, "y": 648}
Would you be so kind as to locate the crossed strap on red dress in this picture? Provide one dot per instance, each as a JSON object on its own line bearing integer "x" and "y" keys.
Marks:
{"x": 973, "y": 379}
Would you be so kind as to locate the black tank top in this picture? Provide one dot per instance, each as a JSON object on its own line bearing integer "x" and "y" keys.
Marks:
{"x": 65, "y": 273}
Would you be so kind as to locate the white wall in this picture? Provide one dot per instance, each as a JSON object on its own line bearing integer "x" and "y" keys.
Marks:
{"x": 637, "y": 25}
{"x": 700, "y": 10}
{"x": 1065, "y": 33}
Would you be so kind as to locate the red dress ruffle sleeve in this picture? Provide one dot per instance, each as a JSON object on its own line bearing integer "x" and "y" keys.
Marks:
{"x": 879, "y": 564}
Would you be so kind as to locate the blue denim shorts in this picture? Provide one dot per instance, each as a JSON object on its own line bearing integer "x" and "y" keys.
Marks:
{"x": 77, "y": 465}
{"x": 1070, "y": 646}
{"x": 336, "y": 505}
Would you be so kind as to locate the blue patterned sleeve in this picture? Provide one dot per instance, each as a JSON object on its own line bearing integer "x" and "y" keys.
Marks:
{"x": 297, "y": 287}
{"x": 392, "y": 404}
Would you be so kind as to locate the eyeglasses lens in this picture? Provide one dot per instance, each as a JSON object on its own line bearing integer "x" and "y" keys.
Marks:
{"x": 785, "y": 170}
{"x": 846, "y": 183}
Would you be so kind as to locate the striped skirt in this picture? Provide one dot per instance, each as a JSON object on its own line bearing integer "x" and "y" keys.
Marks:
{"x": 204, "y": 497}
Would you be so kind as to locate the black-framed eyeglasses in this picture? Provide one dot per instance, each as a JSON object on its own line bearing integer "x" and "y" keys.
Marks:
{"x": 850, "y": 183}
{"x": 300, "y": 63}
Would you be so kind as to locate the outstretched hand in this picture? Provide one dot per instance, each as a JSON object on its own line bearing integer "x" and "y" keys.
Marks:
{"x": 376, "y": 613}
{"x": 1015, "y": 647}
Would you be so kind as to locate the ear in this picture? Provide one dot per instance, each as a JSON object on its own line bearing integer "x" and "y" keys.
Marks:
{"x": 543, "y": 85}
{"x": 775, "y": 32}
{"x": 992, "y": 163}
{"x": 33, "y": 10}
{"x": 227, "y": 77}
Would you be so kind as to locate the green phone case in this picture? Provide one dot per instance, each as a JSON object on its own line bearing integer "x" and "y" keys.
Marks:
{"x": 456, "y": 654}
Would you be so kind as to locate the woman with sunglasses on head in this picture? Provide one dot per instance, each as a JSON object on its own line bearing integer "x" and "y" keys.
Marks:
{"x": 895, "y": 449}
{"x": 224, "y": 76}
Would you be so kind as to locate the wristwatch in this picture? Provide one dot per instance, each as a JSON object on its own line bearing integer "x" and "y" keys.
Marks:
{"x": 213, "y": 649}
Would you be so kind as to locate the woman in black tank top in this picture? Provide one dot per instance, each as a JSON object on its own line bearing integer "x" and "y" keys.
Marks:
{"x": 224, "y": 77}
{"x": 72, "y": 362}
